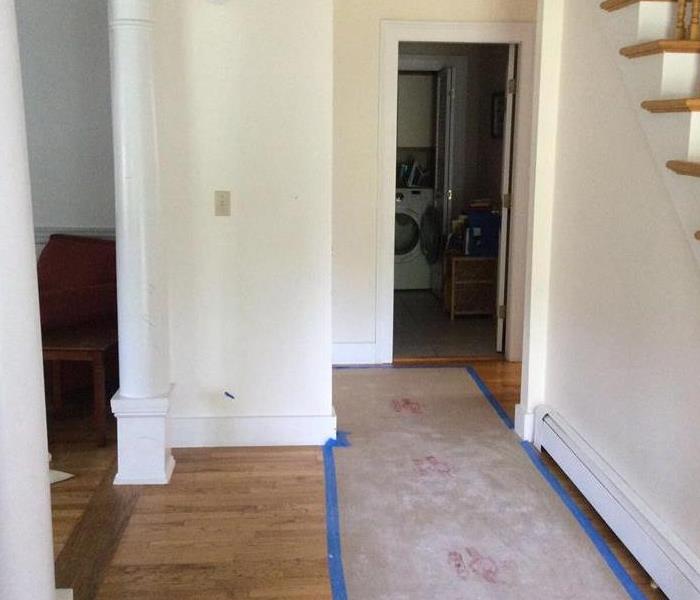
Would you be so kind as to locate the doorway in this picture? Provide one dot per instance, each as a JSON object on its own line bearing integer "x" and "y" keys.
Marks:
{"x": 394, "y": 34}
{"x": 455, "y": 122}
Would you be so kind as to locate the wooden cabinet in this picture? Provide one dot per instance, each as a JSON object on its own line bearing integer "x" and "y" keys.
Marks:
{"x": 470, "y": 285}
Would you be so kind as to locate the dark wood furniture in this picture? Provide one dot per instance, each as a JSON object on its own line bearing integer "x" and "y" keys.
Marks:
{"x": 94, "y": 344}
{"x": 470, "y": 285}
{"x": 78, "y": 305}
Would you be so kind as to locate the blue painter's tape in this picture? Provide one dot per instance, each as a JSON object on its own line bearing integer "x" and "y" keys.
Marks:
{"x": 500, "y": 411}
{"x": 604, "y": 550}
{"x": 335, "y": 559}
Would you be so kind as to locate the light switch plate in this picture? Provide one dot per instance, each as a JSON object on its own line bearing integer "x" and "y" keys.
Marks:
{"x": 222, "y": 203}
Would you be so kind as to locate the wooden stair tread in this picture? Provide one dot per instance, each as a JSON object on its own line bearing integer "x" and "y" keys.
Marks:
{"x": 675, "y": 105}
{"x": 661, "y": 46}
{"x": 611, "y": 5}
{"x": 684, "y": 167}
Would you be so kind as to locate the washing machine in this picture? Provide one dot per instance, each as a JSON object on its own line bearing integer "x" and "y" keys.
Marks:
{"x": 411, "y": 268}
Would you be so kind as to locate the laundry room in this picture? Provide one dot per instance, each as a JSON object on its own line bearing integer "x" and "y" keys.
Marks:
{"x": 455, "y": 120}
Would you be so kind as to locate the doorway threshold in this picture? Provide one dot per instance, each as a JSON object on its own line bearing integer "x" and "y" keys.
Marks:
{"x": 444, "y": 361}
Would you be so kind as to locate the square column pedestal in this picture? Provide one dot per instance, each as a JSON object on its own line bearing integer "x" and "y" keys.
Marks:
{"x": 143, "y": 448}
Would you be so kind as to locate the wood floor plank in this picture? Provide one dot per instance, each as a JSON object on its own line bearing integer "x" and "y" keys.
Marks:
{"x": 83, "y": 561}
{"x": 233, "y": 523}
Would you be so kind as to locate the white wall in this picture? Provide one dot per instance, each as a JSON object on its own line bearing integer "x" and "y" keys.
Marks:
{"x": 65, "y": 69}
{"x": 624, "y": 326}
{"x": 356, "y": 181}
{"x": 245, "y": 104}
{"x": 416, "y": 110}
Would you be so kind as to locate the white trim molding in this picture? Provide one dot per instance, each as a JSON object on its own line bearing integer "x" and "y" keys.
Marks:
{"x": 673, "y": 566}
{"x": 225, "y": 431}
{"x": 524, "y": 422}
{"x": 363, "y": 353}
{"x": 542, "y": 180}
{"x": 392, "y": 33}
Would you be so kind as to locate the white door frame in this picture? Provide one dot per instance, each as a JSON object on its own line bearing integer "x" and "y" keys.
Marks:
{"x": 392, "y": 33}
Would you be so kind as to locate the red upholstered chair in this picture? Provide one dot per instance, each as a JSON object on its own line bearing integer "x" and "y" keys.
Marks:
{"x": 77, "y": 281}
{"x": 78, "y": 304}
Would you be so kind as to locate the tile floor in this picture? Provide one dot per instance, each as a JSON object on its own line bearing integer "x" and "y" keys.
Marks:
{"x": 422, "y": 329}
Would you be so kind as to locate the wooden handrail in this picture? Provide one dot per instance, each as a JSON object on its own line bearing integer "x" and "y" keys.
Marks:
{"x": 695, "y": 22}
{"x": 681, "y": 30}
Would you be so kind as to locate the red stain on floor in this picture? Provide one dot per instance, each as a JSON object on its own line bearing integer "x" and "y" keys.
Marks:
{"x": 483, "y": 567}
{"x": 432, "y": 466}
{"x": 456, "y": 561}
{"x": 406, "y": 405}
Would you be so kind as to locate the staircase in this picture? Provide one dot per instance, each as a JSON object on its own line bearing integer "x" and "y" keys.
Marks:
{"x": 659, "y": 42}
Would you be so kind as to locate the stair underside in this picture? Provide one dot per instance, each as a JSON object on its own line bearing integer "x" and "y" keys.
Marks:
{"x": 683, "y": 167}
{"x": 661, "y": 46}
{"x": 671, "y": 106}
{"x": 611, "y": 5}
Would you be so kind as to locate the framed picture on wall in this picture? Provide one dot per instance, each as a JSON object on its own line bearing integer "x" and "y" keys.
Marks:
{"x": 498, "y": 113}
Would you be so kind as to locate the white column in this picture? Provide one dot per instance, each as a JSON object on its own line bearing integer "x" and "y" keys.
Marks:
{"x": 26, "y": 545}
{"x": 141, "y": 405}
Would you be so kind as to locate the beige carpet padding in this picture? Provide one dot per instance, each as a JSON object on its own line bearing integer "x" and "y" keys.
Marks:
{"x": 438, "y": 500}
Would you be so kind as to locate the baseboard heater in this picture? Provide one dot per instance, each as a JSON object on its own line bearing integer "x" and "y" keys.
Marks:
{"x": 666, "y": 558}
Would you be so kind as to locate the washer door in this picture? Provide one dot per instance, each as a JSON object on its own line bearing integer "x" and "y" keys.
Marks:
{"x": 407, "y": 236}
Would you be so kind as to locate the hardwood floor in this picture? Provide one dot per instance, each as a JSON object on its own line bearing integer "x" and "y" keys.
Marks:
{"x": 234, "y": 523}
{"x": 74, "y": 451}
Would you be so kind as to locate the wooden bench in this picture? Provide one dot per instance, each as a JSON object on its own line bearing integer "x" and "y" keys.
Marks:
{"x": 92, "y": 344}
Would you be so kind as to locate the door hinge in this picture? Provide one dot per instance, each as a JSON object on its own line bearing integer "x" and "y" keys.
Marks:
{"x": 502, "y": 311}
{"x": 512, "y": 86}
{"x": 506, "y": 201}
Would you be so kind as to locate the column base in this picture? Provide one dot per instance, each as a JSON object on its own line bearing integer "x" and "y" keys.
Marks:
{"x": 143, "y": 448}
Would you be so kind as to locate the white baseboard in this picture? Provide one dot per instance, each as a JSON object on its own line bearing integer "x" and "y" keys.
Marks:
{"x": 355, "y": 354}
{"x": 64, "y": 594}
{"x": 524, "y": 423}
{"x": 221, "y": 431}
{"x": 673, "y": 566}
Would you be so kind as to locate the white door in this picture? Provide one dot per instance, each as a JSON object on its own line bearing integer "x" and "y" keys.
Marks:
{"x": 506, "y": 182}
{"x": 444, "y": 142}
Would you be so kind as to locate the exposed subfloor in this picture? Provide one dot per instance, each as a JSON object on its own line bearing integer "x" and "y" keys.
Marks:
{"x": 423, "y": 329}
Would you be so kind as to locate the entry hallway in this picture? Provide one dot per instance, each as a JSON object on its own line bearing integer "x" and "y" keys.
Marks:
{"x": 243, "y": 523}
